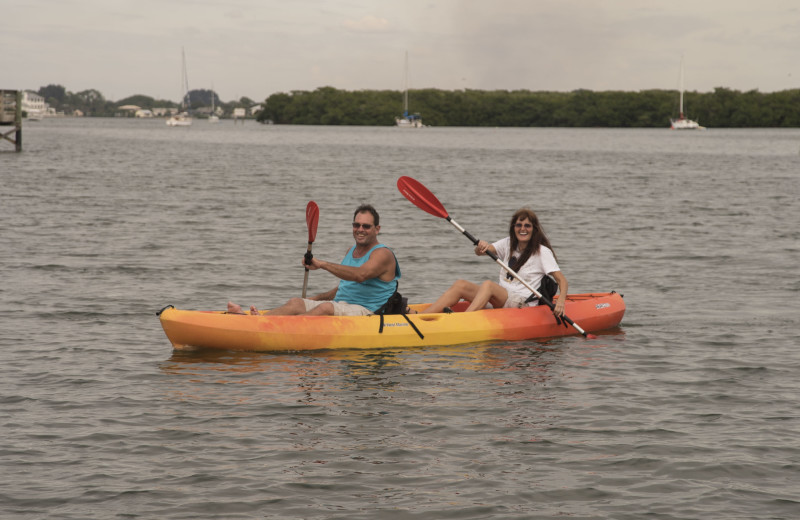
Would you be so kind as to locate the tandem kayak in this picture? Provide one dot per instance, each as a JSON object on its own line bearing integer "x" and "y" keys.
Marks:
{"x": 220, "y": 330}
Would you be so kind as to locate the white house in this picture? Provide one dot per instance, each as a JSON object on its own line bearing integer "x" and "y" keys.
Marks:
{"x": 33, "y": 104}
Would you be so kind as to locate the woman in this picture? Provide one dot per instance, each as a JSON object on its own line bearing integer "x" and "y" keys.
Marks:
{"x": 527, "y": 251}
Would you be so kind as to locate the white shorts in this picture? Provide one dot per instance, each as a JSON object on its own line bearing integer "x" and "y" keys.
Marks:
{"x": 339, "y": 308}
{"x": 515, "y": 301}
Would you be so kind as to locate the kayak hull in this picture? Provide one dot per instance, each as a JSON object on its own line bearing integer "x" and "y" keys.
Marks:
{"x": 219, "y": 330}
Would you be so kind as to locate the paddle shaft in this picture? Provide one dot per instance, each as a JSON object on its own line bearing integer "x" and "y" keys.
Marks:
{"x": 515, "y": 275}
{"x": 305, "y": 275}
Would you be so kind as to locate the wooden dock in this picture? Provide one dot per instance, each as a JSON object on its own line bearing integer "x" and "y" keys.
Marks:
{"x": 11, "y": 115}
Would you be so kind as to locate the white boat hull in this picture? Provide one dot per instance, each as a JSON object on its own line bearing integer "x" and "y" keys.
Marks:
{"x": 181, "y": 120}
{"x": 408, "y": 123}
{"x": 685, "y": 124}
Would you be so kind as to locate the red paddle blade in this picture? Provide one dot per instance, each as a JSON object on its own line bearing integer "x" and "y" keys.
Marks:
{"x": 421, "y": 196}
{"x": 312, "y": 218}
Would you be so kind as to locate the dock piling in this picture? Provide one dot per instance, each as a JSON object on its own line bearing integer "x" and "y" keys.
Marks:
{"x": 11, "y": 115}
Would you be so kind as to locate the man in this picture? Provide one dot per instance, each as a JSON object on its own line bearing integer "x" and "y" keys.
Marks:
{"x": 369, "y": 274}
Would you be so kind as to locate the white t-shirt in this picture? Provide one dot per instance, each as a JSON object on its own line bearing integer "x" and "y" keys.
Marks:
{"x": 538, "y": 265}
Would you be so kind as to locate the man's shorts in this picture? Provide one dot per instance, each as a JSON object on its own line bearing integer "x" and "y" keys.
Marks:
{"x": 339, "y": 308}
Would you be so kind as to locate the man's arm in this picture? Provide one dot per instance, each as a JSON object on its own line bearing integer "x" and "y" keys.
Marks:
{"x": 381, "y": 264}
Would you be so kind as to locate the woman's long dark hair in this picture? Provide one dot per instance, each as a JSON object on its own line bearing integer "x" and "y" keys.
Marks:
{"x": 538, "y": 238}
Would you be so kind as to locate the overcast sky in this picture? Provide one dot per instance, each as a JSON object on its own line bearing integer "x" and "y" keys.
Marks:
{"x": 255, "y": 48}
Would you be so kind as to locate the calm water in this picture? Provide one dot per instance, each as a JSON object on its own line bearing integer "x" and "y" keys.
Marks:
{"x": 688, "y": 411}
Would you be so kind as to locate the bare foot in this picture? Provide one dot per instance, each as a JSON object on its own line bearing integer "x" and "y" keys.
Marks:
{"x": 254, "y": 311}
{"x": 234, "y": 308}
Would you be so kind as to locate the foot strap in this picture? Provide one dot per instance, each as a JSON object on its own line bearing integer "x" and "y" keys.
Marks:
{"x": 403, "y": 314}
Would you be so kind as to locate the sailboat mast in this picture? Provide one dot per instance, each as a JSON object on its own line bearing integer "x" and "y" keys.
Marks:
{"x": 680, "y": 109}
{"x": 405, "y": 89}
{"x": 184, "y": 81}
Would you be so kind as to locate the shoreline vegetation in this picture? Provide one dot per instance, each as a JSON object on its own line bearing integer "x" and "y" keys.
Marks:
{"x": 722, "y": 108}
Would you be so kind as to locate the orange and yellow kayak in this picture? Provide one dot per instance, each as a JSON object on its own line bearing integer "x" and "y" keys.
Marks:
{"x": 220, "y": 330}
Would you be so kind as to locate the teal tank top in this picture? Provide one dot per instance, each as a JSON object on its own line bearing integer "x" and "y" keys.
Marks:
{"x": 370, "y": 293}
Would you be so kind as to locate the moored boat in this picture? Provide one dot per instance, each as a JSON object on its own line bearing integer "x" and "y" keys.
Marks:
{"x": 407, "y": 120}
{"x": 213, "y": 117}
{"x": 220, "y": 330}
{"x": 682, "y": 122}
{"x": 183, "y": 118}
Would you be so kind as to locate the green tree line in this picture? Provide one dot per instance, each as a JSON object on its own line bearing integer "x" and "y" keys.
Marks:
{"x": 722, "y": 108}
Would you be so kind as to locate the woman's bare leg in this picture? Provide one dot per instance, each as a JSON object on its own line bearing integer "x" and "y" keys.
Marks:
{"x": 488, "y": 292}
{"x": 461, "y": 289}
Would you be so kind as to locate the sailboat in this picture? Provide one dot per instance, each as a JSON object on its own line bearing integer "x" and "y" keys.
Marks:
{"x": 213, "y": 117}
{"x": 681, "y": 123}
{"x": 407, "y": 120}
{"x": 183, "y": 118}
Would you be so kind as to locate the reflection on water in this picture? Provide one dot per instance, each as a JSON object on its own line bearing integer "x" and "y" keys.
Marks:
{"x": 322, "y": 378}
{"x": 360, "y": 362}
{"x": 373, "y": 363}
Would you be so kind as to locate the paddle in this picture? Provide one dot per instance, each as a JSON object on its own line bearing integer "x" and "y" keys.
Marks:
{"x": 422, "y": 198}
{"x": 312, "y": 218}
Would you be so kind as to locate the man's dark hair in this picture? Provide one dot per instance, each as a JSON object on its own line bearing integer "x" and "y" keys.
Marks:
{"x": 367, "y": 208}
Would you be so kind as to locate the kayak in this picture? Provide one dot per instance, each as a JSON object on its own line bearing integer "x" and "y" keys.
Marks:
{"x": 220, "y": 330}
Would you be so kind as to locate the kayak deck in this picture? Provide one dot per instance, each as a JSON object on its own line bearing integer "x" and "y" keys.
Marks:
{"x": 216, "y": 329}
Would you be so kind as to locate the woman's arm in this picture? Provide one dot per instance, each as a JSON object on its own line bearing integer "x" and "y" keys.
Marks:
{"x": 563, "y": 286}
{"x": 484, "y": 246}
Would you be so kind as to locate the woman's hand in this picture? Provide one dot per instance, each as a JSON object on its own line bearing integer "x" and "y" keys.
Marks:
{"x": 481, "y": 248}
{"x": 563, "y": 287}
{"x": 558, "y": 309}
